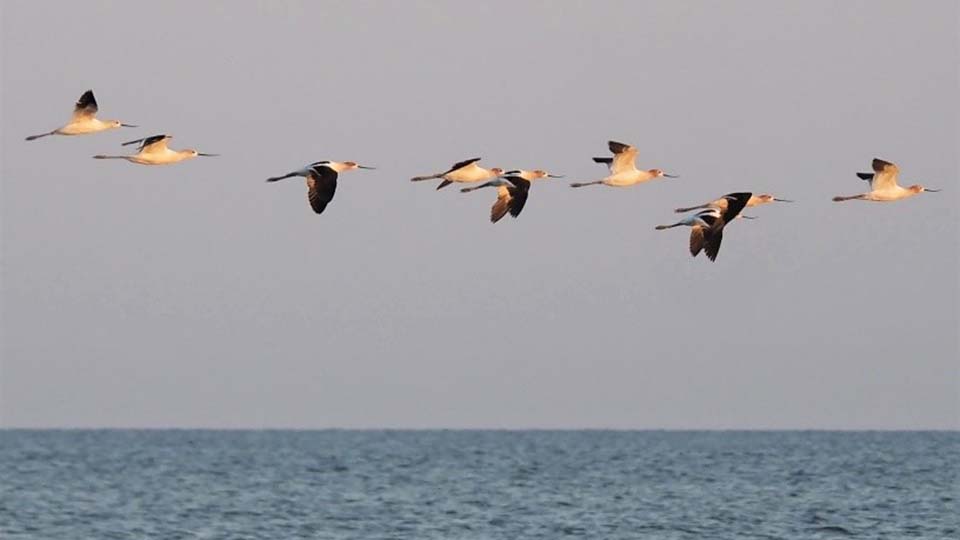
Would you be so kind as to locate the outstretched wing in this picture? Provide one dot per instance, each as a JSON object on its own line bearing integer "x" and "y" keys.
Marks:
{"x": 86, "y": 106}
{"x": 605, "y": 161}
{"x": 321, "y": 185}
{"x": 735, "y": 203}
{"x": 154, "y": 143}
{"x": 624, "y": 157}
{"x": 711, "y": 243}
{"x": 885, "y": 175}
{"x": 461, "y": 165}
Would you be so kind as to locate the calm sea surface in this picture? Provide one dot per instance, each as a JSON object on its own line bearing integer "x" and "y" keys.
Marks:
{"x": 120, "y": 484}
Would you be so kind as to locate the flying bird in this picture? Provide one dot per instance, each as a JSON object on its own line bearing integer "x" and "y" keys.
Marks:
{"x": 623, "y": 168}
{"x": 465, "y": 171}
{"x": 721, "y": 203}
{"x": 321, "y": 180}
{"x": 513, "y": 188}
{"x": 707, "y": 225}
{"x": 84, "y": 120}
{"x": 883, "y": 185}
{"x": 153, "y": 151}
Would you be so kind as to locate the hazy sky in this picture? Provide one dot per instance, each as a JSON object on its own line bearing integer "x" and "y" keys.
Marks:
{"x": 198, "y": 295}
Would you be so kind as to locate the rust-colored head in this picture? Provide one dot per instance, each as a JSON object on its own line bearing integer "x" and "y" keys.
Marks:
{"x": 657, "y": 173}
{"x": 497, "y": 171}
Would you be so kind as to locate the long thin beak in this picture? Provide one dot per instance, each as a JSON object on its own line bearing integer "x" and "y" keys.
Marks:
{"x": 129, "y": 125}
{"x": 207, "y": 155}
{"x": 554, "y": 176}
{"x": 365, "y": 167}
{"x": 670, "y": 175}
{"x": 783, "y": 200}
{"x": 933, "y": 190}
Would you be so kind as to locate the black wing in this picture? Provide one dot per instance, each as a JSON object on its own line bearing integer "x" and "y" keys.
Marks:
{"x": 87, "y": 104}
{"x": 696, "y": 240}
{"x": 321, "y": 185}
{"x": 735, "y": 203}
{"x": 518, "y": 194}
{"x": 617, "y": 147}
{"x": 711, "y": 245}
{"x": 146, "y": 141}
{"x": 461, "y": 165}
{"x": 604, "y": 160}
{"x": 879, "y": 165}
{"x": 865, "y": 176}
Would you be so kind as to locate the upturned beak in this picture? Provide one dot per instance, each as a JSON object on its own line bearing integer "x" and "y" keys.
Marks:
{"x": 782, "y": 200}
{"x": 129, "y": 125}
{"x": 554, "y": 176}
{"x": 207, "y": 155}
{"x": 670, "y": 175}
{"x": 933, "y": 190}
{"x": 365, "y": 167}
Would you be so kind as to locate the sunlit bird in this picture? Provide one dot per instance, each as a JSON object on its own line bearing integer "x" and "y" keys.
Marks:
{"x": 623, "y": 168}
{"x": 707, "y": 225}
{"x": 883, "y": 185}
{"x": 721, "y": 203}
{"x": 513, "y": 188}
{"x": 84, "y": 120}
{"x": 153, "y": 151}
{"x": 465, "y": 171}
{"x": 321, "y": 180}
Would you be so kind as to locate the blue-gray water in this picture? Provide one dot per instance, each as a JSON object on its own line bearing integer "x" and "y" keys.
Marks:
{"x": 476, "y": 484}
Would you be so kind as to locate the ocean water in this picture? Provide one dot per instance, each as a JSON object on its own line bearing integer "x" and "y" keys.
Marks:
{"x": 128, "y": 484}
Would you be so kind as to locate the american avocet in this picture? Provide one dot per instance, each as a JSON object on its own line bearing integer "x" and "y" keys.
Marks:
{"x": 623, "y": 168}
{"x": 707, "y": 225}
{"x": 84, "y": 120}
{"x": 153, "y": 151}
{"x": 721, "y": 203}
{"x": 513, "y": 188}
{"x": 883, "y": 185}
{"x": 321, "y": 180}
{"x": 465, "y": 171}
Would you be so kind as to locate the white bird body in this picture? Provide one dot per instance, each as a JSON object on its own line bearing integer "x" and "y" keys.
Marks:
{"x": 154, "y": 151}
{"x": 623, "y": 168}
{"x": 883, "y": 185}
{"x": 84, "y": 120}
{"x": 466, "y": 171}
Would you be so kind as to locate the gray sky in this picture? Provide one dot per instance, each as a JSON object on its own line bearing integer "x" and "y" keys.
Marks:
{"x": 197, "y": 295}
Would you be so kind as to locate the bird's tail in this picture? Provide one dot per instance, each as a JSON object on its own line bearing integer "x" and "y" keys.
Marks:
{"x": 581, "y": 184}
{"x": 422, "y": 178}
{"x": 692, "y": 208}
{"x": 101, "y": 156}
{"x": 35, "y": 137}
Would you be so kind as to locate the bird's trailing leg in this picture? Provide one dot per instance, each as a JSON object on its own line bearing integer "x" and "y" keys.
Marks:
{"x": 692, "y": 208}
{"x": 35, "y": 137}
{"x": 581, "y": 184}
{"x": 841, "y": 198}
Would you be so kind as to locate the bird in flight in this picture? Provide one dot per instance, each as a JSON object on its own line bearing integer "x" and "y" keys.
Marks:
{"x": 321, "y": 180}
{"x": 623, "y": 168}
{"x": 513, "y": 188}
{"x": 84, "y": 120}
{"x": 465, "y": 171}
{"x": 706, "y": 226}
{"x": 153, "y": 151}
{"x": 883, "y": 185}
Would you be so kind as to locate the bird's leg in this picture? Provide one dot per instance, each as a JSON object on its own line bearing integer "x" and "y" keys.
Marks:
{"x": 581, "y": 184}
{"x": 841, "y": 198}
{"x": 681, "y": 210}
